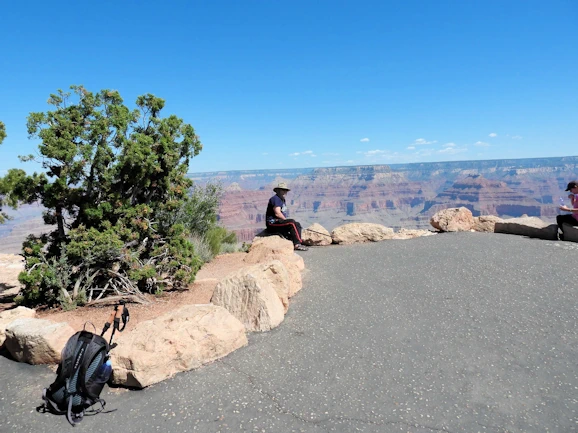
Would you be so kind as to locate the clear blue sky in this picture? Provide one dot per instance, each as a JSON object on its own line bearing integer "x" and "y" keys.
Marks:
{"x": 279, "y": 83}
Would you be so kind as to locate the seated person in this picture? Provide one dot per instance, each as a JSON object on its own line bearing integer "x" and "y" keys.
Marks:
{"x": 571, "y": 219}
{"x": 276, "y": 218}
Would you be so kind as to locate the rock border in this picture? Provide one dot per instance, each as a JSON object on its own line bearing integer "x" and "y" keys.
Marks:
{"x": 253, "y": 299}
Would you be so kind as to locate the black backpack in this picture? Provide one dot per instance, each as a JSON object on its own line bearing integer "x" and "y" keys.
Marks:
{"x": 83, "y": 371}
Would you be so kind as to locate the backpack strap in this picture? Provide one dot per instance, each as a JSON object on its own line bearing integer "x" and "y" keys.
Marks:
{"x": 96, "y": 344}
{"x": 66, "y": 362}
{"x": 50, "y": 405}
{"x": 73, "y": 417}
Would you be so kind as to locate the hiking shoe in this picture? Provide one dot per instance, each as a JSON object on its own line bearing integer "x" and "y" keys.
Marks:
{"x": 300, "y": 247}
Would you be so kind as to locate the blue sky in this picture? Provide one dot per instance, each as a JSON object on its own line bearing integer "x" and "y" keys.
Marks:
{"x": 273, "y": 83}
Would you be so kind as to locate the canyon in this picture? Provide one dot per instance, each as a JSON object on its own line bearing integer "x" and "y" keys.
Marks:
{"x": 397, "y": 195}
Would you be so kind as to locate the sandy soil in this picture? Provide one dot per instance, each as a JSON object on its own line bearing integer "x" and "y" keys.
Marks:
{"x": 199, "y": 292}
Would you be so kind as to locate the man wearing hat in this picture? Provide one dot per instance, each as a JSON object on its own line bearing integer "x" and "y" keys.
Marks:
{"x": 276, "y": 217}
{"x": 571, "y": 219}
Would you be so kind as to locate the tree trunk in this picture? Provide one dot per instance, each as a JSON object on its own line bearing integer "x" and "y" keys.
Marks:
{"x": 60, "y": 221}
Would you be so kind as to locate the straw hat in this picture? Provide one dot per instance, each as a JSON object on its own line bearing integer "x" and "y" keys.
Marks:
{"x": 281, "y": 185}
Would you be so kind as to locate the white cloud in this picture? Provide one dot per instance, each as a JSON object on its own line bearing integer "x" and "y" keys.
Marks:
{"x": 493, "y": 134}
{"x": 481, "y": 143}
{"x": 449, "y": 145}
{"x": 410, "y": 147}
{"x": 364, "y": 140}
{"x": 452, "y": 150}
{"x": 421, "y": 141}
{"x": 305, "y": 153}
{"x": 373, "y": 152}
{"x": 516, "y": 137}
{"x": 265, "y": 153}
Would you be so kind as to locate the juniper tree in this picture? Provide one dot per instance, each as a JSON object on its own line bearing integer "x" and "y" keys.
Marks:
{"x": 110, "y": 177}
{"x": 11, "y": 185}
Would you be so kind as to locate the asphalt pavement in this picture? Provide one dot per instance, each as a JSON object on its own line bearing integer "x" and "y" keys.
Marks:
{"x": 465, "y": 332}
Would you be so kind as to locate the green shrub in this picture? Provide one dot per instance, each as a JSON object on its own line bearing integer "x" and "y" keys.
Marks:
{"x": 217, "y": 236}
{"x": 117, "y": 197}
{"x": 229, "y": 248}
{"x": 202, "y": 248}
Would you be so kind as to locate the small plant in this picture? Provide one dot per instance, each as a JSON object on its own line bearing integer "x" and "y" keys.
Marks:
{"x": 217, "y": 236}
{"x": 229, "y": 248}
{"x": 202, "y": 248}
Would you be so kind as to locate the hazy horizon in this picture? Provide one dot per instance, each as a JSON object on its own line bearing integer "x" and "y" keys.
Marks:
{"x": 390, "y": 165}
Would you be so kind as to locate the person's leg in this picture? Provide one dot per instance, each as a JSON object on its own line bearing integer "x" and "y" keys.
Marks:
{"x": 561, "y": 219}
{"x": 277, "y": 230}
{"x": 290, "y": 225}
{"x": 299, "y": 230}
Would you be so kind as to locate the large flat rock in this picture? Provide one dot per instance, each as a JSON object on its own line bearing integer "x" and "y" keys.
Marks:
{"x": 177, "y": 341}
{"x": 37, "y": 341}
{"x": 532, "y": 227}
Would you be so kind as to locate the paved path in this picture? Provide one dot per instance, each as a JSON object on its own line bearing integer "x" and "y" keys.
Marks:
{"x": 454, "y": 333}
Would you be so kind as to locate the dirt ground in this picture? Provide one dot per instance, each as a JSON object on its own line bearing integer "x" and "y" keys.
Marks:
{"x": 199, "y": 292}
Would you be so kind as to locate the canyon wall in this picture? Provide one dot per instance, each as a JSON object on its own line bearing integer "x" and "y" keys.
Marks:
{"x": 399, "y": 195}
{"x": 405, "y": 195}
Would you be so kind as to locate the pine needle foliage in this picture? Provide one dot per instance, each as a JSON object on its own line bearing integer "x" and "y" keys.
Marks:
{"x": 110, "y": 178}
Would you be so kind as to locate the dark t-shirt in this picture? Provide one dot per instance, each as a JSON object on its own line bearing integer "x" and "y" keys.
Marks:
{"x": 274, "y": 202}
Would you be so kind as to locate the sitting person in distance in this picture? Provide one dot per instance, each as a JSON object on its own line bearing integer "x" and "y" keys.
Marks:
{"x": 571, "y": 219}
{"x": 276, "y": 217}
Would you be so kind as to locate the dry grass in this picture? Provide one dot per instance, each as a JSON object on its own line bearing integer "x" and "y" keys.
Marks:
{"x": 200, "y": 292}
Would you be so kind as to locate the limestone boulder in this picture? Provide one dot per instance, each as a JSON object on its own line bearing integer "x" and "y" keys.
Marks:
{"x": 276, "y": 274}
{"x": 453, "y": 220}
{"x": 361, "y": 232}
{"x": 177, "y": 341}
{"x": 316, "y": 235}
{"x": 36, "y": 341}
{"x": 10, "y": 267}
{"x": 532, "y": 227}
{"x": 263, "y": 247}
{"x": 486, "y": 223}
{"x": 411, "y": 234}
{"x": 249, "y": 295}
{"x": 264, "y": 250}
{"x": 9, "y": 316}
